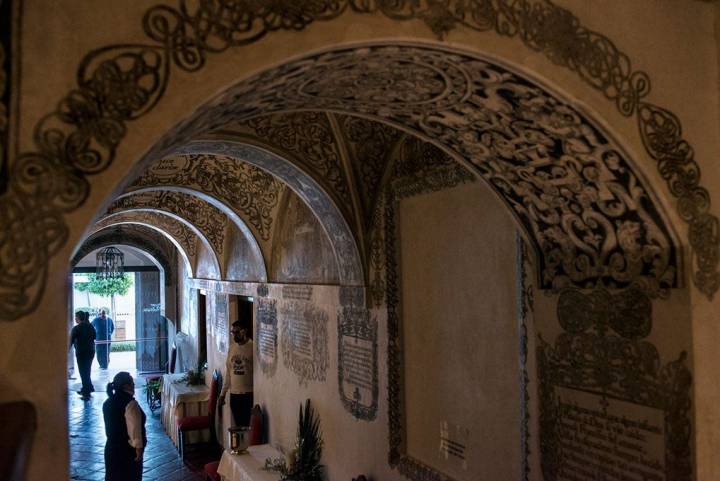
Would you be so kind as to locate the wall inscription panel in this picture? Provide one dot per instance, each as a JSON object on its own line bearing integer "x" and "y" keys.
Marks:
{"x": 601, "y": 436}
{"x": 305, "y": 340}
{"x": 609, "y": 408}
{"x": 266, "y": 338}
{"x": 357, "y": 362}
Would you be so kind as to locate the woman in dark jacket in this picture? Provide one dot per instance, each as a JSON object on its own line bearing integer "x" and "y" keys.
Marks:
{"x": 82, "y": 337}
{"x": 125, "y": 430}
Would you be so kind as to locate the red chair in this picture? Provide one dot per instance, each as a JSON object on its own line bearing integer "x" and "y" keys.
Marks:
{"x": 198, "y": 423}
{"x": 211, "y": 473}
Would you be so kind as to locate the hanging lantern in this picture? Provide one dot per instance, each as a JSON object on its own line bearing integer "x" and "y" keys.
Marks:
{"x": 110, "y": 263}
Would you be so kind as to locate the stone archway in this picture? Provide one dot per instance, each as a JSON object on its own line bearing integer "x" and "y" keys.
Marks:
{"x": 624, "y": 86}
{"x": 570, "y": 185}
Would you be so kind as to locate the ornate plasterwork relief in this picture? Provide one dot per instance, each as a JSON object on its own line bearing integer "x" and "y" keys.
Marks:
{"x": 589, "y": 214}
{"x": 342, "y": 239}
{"x": 209, "y": 220}
{"x": 307, "y": 138}
{"x": 120, "y": 83}
{"x": 246, "y": 189}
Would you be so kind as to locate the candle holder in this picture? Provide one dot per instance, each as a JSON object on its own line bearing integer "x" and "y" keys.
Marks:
{"x": 238, "y": 439}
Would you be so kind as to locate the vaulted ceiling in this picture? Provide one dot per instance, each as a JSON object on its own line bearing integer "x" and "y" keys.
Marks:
{"x": 311, "y": 132}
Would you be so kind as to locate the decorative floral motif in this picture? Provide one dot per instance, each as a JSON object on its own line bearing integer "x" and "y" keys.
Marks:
{"x": 252, "y": 192}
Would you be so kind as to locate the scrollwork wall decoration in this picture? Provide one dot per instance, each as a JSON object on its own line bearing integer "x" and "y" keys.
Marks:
{"x": 525, "y": 311}
{"x": 252, "y": 192}
{"x": 585, "y": 209}
{"x": 120, "y": 83}
{"x": 206, "y": 218}
{"x": 358, "y": 383}
{"x": 308, "y": 137}
{"x": 266, "y": 335}
{"x": 174, "y": 228}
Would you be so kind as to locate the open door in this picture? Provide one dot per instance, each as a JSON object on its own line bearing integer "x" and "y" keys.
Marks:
{"x": 150, "y": 326}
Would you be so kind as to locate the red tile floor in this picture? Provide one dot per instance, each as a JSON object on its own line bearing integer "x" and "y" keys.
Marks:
{"x": 87, "y": 431}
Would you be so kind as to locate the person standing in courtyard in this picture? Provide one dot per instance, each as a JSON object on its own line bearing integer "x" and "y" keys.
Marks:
{"x": 104, "y": 328}
{"x": 125, "y": 431}
{"x": 239, "y": 375}
{"x": 82, "y": 337}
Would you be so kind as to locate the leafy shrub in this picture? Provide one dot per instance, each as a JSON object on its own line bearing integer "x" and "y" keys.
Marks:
{"x": 122, "y": 346}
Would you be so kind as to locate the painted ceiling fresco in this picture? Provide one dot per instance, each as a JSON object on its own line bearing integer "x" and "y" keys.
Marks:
{"x": 580, "y": 199}
{"x": 571, "y": 187}
{"x": 78, "y": 138}
{"x": 203, "y": 216}
{"x": 247, "y": 190}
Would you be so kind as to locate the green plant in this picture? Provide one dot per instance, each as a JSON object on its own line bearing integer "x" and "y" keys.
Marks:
{"x": 195, "y": 377}
{"x": 122, "y": 346}
{"x": 303, "y": 462}
{"x": 106, "y": 287}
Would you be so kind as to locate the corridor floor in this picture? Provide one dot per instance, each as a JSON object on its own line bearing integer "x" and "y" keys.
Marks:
{"x": 87, "y": 433}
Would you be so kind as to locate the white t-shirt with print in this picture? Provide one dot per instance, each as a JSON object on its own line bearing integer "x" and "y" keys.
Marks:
{"x": 239, "y": 369}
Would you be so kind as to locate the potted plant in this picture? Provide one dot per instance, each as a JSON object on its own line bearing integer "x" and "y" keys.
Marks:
{"x": 303, "y": 462}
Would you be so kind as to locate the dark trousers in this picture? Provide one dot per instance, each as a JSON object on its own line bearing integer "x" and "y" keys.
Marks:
{"x": 120, "y": 464}
{"x": 241, "y": 406}
{"x": 103, "y": 355}
{"x": 84, "y": 362}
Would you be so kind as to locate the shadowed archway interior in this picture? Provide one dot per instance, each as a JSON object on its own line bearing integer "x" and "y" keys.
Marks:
{"x": 331, "y": 144}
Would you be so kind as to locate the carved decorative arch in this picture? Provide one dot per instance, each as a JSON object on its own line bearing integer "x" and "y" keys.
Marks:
{"x": 205, "y": 219}
{"x": 579, "y": 197}
{"x": 208, "y": 215}
{"x": 49, "y": 182}
{"x": 304, "y": 185}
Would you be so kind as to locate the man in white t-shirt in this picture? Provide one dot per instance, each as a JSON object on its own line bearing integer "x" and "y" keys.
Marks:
{"x": 239, "y": 375}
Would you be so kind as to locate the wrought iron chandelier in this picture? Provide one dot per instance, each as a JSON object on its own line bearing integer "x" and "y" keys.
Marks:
{"x": 109, "y": 263}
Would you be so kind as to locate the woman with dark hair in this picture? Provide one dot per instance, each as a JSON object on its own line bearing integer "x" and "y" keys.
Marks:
{"x": 125, "y": 430}
{"x": 82, "y": 337}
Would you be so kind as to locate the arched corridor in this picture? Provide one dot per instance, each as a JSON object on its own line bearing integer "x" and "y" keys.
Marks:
{"x": 491, "y": 257}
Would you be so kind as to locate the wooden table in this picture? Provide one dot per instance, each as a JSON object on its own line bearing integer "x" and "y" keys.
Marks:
{"x": 180, "y": 400}
{"x": 249, "y": 466}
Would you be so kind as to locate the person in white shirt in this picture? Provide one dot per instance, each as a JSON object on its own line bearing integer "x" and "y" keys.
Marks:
{"x": 125, "y": 430}
{"x": 239, "y": 375}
